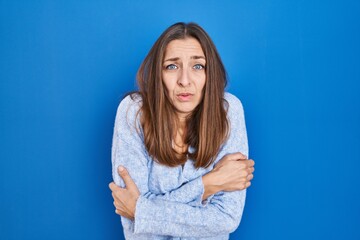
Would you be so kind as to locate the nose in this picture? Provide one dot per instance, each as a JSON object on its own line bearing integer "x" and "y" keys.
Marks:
{"x": 184, "y": 78}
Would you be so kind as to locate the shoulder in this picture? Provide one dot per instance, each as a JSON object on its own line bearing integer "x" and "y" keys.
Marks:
{"x": 237, "y": 140}
{"x": 131, "y": 102}
{"x": 127, "y": 114}
{"x": 129, "y": 106}
{"x": 233, "y": 104}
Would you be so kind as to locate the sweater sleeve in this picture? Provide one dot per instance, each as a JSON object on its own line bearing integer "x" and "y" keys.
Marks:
{"x": 179, "y": 210}
{"x": 223, "y": 212}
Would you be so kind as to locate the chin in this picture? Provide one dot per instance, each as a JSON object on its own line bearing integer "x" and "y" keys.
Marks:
{"x": 185, "y": 110}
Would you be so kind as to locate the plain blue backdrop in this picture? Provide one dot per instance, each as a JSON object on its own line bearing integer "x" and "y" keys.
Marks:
{"x": 65, "y": 65}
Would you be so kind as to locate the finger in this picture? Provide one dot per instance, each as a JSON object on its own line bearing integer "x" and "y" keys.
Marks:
{"x": 243, "y": 173}
{"x": 249, "y": 177}
{"x": 124, "y": 174}
{"x": 243, "y": 186}
{"x": 117, "y": 205}
{"x": 114, "y": 196}
{"x": 238, "y": 156}
{"x": 116, "y": 193}
{"x": 119, "y": 193}
{"x": 242, "y": 165}
{"x": 250, "y": 162}
{"x": 124, "y": 214}
{"x": 250, "y": 170}
{"x": 117, "y": 212}
{"x": 234, "y": 157}
{"x": 247, "y": 184}
{"x": 121, "y": 213}
{"x": 113, "y": 186}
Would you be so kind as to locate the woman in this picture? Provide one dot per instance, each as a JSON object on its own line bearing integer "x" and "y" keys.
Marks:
{"x": 180, "y": 145}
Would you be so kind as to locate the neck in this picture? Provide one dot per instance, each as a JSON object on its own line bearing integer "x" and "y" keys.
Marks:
{"x": 182, "y": 123}
{"x": 182, "y": 117}
{"x": 179, "y": 136}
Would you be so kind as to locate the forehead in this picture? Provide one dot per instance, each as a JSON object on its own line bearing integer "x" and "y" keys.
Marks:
{"x": 179, "y": 47}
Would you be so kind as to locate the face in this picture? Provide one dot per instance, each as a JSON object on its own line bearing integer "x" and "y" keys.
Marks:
{"x": 183, "y": 74}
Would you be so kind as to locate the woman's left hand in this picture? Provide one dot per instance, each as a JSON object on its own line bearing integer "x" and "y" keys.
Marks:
{"x": 125, "y": 198}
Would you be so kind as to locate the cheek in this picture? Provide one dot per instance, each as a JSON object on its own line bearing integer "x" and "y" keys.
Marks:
{"x": 168, "y": 84}
{"x": 201, "y": 83}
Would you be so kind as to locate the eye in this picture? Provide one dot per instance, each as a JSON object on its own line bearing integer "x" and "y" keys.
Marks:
{"x": 171, "y": 67}
{"x": 199, "y": 67}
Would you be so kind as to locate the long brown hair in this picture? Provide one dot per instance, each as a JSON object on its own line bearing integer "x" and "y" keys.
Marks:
{"x": 207, "y": 127}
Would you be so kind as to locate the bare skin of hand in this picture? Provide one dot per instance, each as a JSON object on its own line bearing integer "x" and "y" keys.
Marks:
{"x": 233, "y": 172}
{"x": 125, "y": 198}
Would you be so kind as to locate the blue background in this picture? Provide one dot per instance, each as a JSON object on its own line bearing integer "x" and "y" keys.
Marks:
{"x": 65, "y": 65}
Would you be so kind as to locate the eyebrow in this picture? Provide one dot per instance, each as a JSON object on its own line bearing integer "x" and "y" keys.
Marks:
{"x": 177, "y": 58}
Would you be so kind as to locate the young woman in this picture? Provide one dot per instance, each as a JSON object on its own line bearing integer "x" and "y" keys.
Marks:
{"x": 179, "y": 148}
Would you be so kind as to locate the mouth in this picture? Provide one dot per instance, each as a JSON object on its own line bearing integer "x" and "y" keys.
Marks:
{"x": 185, "y": 96}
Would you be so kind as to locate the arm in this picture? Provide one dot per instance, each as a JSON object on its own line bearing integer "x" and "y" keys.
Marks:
{"x": 129, "y": 151}
{"x": 233, "y": 172}
{"x": 221, "y": 215}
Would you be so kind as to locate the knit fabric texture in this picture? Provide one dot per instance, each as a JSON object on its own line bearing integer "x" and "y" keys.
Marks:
{"x": 170, "y": 205}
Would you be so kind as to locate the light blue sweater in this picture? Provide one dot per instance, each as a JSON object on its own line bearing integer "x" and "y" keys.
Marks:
{"x": 170, "y": 205}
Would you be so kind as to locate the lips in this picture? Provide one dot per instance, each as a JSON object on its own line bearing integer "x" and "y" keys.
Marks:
{"x": 185, "y": 96}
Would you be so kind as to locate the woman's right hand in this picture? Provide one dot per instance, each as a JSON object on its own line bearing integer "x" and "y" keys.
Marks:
{"x": 233, "y": 172}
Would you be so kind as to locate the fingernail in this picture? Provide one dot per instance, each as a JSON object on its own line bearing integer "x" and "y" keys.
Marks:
{"x": 121, "y": 168}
